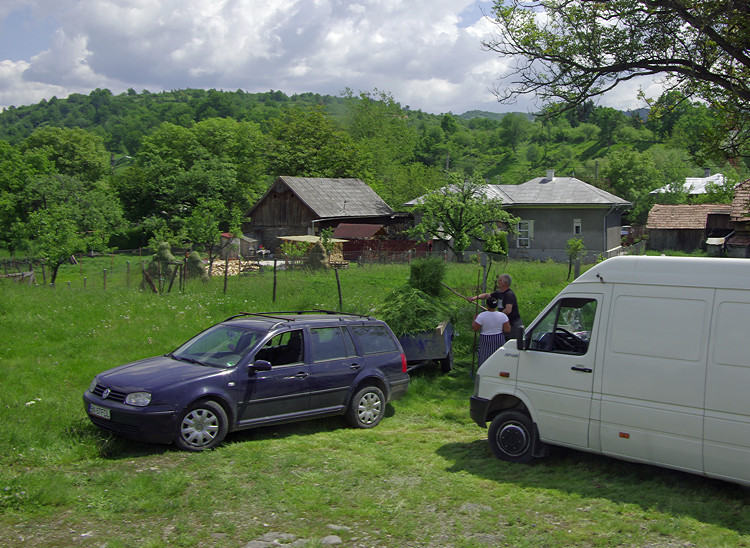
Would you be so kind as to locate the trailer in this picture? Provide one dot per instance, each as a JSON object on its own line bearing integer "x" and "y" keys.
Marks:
{"x": 430, "y": 346}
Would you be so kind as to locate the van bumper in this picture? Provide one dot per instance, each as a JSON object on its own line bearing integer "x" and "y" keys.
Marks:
{"x": 478, "y": 410}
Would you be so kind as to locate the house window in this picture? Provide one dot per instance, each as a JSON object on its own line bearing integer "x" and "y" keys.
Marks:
{"x": 525, "y": 233}
{"x": 577, "y": 226}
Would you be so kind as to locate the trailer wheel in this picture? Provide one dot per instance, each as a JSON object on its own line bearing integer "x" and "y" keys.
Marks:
{"x": 512, "y": 436}
{"x": 446, "y": 364}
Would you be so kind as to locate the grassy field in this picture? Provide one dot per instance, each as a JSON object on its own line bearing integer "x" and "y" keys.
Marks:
{"x": 424, "y": 477}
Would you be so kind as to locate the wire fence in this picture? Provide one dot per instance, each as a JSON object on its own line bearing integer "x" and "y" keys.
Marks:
{"x": 263, "y": 283}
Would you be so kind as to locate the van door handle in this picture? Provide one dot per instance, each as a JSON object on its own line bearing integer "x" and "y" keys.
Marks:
{"x": 582, "y": 369}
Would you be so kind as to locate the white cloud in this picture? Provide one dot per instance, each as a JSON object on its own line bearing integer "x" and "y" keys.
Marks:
{"x": 427, "y": 53}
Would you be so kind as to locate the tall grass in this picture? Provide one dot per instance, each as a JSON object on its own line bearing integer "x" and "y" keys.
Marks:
{"x": 423, "y": 477}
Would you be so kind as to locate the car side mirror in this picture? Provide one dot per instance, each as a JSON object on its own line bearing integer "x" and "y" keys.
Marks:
{"x": 259, "y": 365}
{"x": 521, "y": 340}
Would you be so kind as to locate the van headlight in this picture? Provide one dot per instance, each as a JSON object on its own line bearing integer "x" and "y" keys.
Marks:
{"x": 139, "y": 399}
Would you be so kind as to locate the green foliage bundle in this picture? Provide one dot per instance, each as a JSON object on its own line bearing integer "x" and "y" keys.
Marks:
{"x": 416, "y": 306}
{"x": 427, "y": 276}
{"x": 407, "y": 310}
{"x": 195, "y": 267}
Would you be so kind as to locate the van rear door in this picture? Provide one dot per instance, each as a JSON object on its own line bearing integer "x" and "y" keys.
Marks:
{"x": 556, "y": 371}
{"x": 726, "y": 431}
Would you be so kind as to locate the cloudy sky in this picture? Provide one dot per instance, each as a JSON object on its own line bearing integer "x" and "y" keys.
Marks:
{"x": 426, "y": 53}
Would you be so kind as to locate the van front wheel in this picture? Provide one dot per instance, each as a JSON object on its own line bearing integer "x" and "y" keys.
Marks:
{"x": 512, "y": 436}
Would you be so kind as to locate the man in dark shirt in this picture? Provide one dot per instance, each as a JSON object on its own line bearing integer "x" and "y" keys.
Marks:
{"x": 508, "y": 303}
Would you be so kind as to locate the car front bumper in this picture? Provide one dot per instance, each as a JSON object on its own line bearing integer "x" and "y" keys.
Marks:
{"x": 148, "y": 424}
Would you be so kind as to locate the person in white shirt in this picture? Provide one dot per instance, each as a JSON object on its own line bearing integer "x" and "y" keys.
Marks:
{"x": 492, "y": 326}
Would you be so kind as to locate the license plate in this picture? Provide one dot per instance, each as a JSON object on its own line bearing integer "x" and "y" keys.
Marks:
{"x": 99, "y": 411}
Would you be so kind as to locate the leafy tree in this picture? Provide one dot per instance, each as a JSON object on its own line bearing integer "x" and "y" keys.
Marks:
{"x": 575, "y": 51}
{"x": 574, "y": 249}
{"x": 217, "y": 161}
{"x": 18, "y": 171}
{"x": 378, "y": 124}
{"x": 632, "y": 175}
{"x": 68, "y": 217}
{"x": 514, "y": 126}
{"x": 74, "y": 152}
{"x": 308, "y": 143}
{"x": 459, "y": 213}
{"x": 204, "y": 226}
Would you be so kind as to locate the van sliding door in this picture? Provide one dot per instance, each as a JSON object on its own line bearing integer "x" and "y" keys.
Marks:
{"x": 654, "y": 374}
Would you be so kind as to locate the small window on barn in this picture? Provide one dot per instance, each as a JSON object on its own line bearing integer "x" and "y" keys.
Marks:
{"x": 577, "y": 226}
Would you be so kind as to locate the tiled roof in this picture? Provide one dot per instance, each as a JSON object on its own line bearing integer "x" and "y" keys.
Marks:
{"x": 741, "y": 202}
{"x": 694, "y": 216}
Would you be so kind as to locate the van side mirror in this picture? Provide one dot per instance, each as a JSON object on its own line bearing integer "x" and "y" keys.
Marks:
{"x": 521, "y": 340}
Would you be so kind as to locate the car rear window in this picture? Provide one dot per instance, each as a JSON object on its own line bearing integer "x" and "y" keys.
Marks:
{"x": 375, "y": 339}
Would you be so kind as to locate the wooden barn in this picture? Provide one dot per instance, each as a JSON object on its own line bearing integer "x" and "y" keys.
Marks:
{"x": 686, "y": 227}
{"x": 295, "y": 206}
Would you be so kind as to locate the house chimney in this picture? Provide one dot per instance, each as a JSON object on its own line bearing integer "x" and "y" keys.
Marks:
{"x": 550, "y": 174}
{"x": 706, "y": 171}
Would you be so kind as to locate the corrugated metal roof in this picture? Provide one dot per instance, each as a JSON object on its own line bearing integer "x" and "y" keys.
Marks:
{"x": 663, "y": 216}
{"x": 695, "y": 185}
{"x": 337, "y": 197}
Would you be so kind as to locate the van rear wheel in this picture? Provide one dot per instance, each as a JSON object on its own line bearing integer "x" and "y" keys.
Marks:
{"x": 512, "y": 436}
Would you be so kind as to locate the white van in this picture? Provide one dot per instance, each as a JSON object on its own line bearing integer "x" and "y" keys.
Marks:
{"x": 645, "y": 359}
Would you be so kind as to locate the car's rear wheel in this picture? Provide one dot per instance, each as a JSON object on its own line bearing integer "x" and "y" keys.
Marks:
{"x": 202, "y": 426}
{"x": 512, "y": 436}
{"x": 366, "y": 408}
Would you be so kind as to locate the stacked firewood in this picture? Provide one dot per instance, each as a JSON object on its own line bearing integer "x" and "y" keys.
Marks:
{"x": 235, "y": 266}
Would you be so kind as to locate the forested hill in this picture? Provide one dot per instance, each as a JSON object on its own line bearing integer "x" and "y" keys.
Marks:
{"x": 122, "y": 120}
{"x": 400, "y": 152}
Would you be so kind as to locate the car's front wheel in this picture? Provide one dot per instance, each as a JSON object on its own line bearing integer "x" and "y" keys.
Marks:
{"x": 512, "y": 436}
{"x": 366, "y": 408}
{"x": 202, "y": 426}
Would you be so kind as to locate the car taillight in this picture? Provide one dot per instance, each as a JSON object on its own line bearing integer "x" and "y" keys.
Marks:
{"x": 403, "y": 363}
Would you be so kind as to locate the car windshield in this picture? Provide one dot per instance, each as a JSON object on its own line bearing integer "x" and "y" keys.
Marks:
{"x": 219, "y": 346}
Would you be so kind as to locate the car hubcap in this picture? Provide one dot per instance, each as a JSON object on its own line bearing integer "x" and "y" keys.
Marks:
{"x": 513, "y": 439}
{"x": 199, "y": 427}
{"x": 369, "y": 408}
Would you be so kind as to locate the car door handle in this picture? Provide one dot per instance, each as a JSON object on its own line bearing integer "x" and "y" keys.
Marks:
{"x": 302, "y": 375}
{"x": 582, "y": 369}
{"x": 355, "y": 366}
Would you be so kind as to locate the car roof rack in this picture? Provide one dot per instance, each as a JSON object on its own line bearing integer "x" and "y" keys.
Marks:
{"x": 277, "y": 316}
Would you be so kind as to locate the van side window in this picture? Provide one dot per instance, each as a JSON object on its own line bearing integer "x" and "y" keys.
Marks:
{"x": 566, "y": 328}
